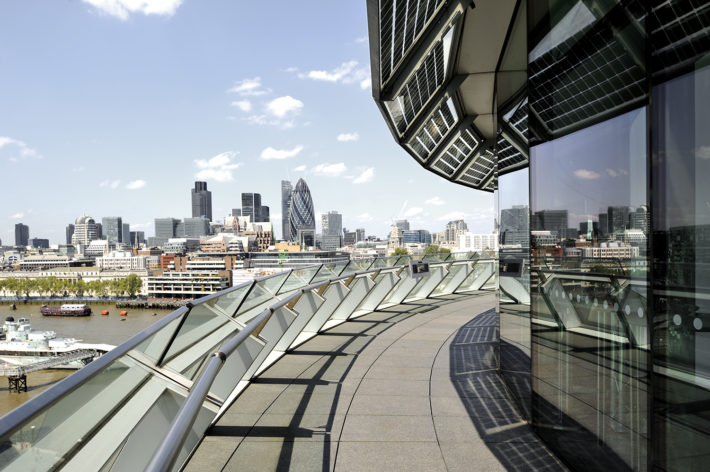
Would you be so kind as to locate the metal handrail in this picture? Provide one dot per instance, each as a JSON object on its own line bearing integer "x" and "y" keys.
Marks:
{"x": 166, "y": 455}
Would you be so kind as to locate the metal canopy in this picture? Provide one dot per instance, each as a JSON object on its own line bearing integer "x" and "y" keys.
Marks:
{"x": 440, "y": 71}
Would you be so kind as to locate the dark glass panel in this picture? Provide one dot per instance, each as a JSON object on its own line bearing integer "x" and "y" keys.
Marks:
{"x": 681, "y": 271}
{"x": 589, "y": 315}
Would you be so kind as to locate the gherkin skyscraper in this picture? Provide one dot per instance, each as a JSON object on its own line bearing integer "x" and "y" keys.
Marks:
{"x": 301, "y": 217}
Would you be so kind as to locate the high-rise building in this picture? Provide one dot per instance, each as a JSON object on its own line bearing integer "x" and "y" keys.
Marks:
{"x": 39, "y": 243}
{"x": 639, "y": 219}
{"x": 551, "y": 220}
{"x": 332, "y": 223}
{"x": 69, "y": 233}
{"x": 618, "y": 219}
{"x": 360, "y": 234}
{"x": 403, "y": 225}
{"x": 453, "y": 230}
{"x": 126, "y": 233}
{"x": 514, "y": 226}
{"x": 201, "y": 201}
{"x": 301, "y": 217}
{"x": 165, "y": 228}
{"x": 286, "y": 191}
{"x": 22, "y": 234}
{"x": 195, "y": 227}
{"x": 112, "y": 228}
{"x": 137, "y": 238}
{"x": 252, "y": 207}
{"x": 85, "y": 230}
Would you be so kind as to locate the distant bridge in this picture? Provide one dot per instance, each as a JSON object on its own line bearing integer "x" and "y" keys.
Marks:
{"x": 17, "y": 375}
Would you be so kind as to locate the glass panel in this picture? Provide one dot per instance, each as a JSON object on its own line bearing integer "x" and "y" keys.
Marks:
{"x": 229, "y": 302}
{"x": 681, "y": 271}
{"x": 328, "y": 271}
{"x": 298, "y": 278}
{"x": 260, "y": 294}
{"x": 589, "y": 207}
{"x": 154, "y": 347}
{"x": 51, "y": 437}
{"x": 274, "y": 282}
{"x": 203, "y": 328}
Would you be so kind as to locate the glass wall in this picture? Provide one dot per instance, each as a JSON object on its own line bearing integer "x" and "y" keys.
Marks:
{"x": 681, "y": 271}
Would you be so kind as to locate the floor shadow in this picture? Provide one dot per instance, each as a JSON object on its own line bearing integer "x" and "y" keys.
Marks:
{"x": 474, "y": 363}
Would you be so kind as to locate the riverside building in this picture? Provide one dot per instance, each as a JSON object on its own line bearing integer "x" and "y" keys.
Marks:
{"x": 588, "y": 116}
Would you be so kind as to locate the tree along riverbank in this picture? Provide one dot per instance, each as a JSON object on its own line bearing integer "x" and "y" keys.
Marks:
{"x": 53, "y": 287}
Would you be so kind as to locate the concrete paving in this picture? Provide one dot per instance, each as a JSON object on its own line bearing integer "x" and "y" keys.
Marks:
{"x": 413, "y": 387}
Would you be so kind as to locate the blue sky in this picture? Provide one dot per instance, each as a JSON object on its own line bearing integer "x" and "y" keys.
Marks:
{"x": 115, "y": 107}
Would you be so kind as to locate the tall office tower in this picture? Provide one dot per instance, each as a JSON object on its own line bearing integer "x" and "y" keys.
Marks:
{"x": 252, "y": 207}
{"x": 99, "y": 231}
{"x": 301, "y": 215}
{"x": 286, "y": 192}
{"x": 515, "y": 226}
{"x": 85, "y": 230}
{"x": 332, "y": 223}
{"x": 639, "y": 219}
{"x": 112, "y": 227}
{"x": 453, "y": 229}
{"x": 166, "y": 228}
{"x": 403, "y": 225}
{"x": 603, "y": 224}
{"x": 551, "y": 220}
{"x": 359, "y": 234}
{"x": 39, "y": 243}
{"x": 22, "y": 234}
{"x": 126, "y": 234}
{"x": 201, "y": 201}
{"x": 618, "y": 218}
{"x": 236, "y": 212}
{"x": 196, "y": 227}
{"x": 69, "y": 233}
{"x": 261, "y": 214}
{"x": 137, "y": 238}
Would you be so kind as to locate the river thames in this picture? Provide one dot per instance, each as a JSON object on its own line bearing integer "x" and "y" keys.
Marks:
{"x": 95, "y": 329}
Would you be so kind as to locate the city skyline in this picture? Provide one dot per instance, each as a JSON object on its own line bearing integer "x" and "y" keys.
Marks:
{"x": 124, "y": 124}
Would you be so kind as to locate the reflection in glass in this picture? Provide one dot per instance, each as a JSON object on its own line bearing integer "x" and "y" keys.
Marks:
{"x": 589, "y": 310}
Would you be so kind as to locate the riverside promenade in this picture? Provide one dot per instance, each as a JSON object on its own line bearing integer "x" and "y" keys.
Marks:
{"x": 412, "y": 387}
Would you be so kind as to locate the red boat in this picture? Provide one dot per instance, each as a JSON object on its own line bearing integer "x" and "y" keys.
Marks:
{"x": 67, "y": 309}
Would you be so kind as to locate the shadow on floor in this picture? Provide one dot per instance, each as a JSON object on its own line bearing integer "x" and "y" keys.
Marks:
{"x": 474, "y": 362}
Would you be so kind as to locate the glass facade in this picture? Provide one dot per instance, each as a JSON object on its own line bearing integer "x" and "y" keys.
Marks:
{"x": 604, "y": 315}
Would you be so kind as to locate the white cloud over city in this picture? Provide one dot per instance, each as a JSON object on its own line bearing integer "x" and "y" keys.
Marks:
{"x": 347, "y": 73}
{"x": 585, "y": 174}
{"x": 330, "y": 170}
{"x": 136, "y": 184}
{"x": 437, "y": 201}
{"x": 366, "y": 176}
{"x": 112, "y": 184}
{"x": 271, "y": 153}
{"x": 345, "y": 137}
{"x": 122, "y": 9}
{"x": 218, "y": 168}
{"x": 17, "y": 150}
{"x": 249, "y": 87}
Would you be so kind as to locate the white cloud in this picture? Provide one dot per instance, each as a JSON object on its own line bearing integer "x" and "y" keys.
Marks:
{"x": 366, "y": 176}
{"x": 270, "y": 153}
{"x": 17, "y": 216}
{"x": 282, "y": 106}
{"x": 123, "y": 8}
{"x": 361, "y": 39}
{"x": 21, "y": 150}
{"x": 135, "y": 184}
{"x": 330, "y": 170}
{"x": 366, "y": 83}
{"x": 364, "y": 217}
{"x": 243, "y": 105}
{"x": 347, "y": 73}
{"x": 291, "y": 69}
{"x": 218, "y": 168}
{"x": 413, "y": 212}
{"x": 112, "y": 184}
{"x": 612, "y": 172}
{"x": 435, "y": 201}
{"x": 585, "y": 174}
{"x": 300, "y": 168}
{"x": 344, "y": 137}
{"x": 249, "y": 87}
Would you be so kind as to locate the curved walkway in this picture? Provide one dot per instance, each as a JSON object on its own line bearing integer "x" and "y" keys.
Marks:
{"x": 412, "y": 387}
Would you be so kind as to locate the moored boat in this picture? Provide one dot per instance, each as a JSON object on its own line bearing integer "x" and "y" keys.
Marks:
{"x": 68, "y": 309}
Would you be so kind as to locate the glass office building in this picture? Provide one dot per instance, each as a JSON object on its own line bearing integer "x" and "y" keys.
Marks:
{"x": 590, "y": 122}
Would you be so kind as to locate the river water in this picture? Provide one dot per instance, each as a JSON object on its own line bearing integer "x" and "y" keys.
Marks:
{"x": 95, "y": 329}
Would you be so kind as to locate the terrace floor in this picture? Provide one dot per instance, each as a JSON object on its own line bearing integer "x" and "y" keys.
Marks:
{"x": 412, "y": 387}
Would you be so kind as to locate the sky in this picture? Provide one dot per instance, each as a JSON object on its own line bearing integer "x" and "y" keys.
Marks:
{"x": 116, "y": 107}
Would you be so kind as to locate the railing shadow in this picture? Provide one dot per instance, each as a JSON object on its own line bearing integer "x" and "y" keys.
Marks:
{"x": 474, "y": 363}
